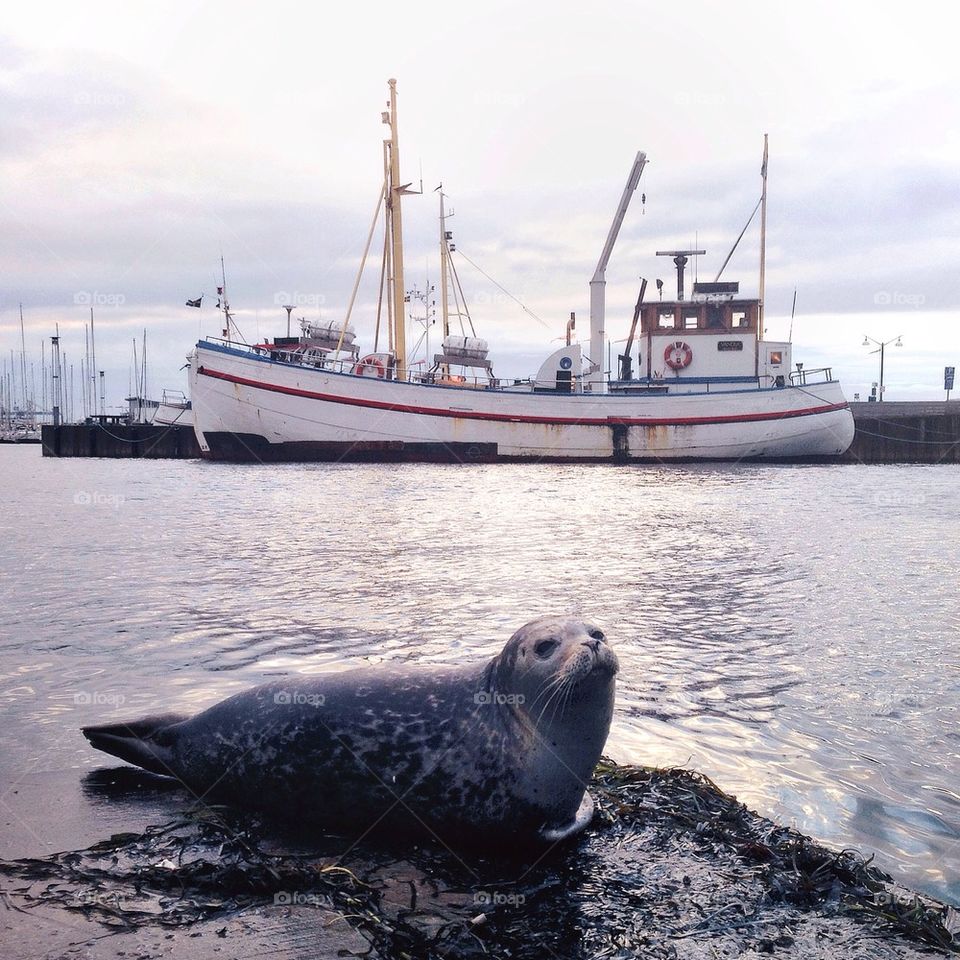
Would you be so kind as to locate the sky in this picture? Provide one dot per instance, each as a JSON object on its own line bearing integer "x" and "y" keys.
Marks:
{"x": 143, "y": 141}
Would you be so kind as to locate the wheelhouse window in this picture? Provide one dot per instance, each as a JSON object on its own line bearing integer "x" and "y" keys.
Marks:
{"x": 714, "y": 316}
{"x": 665, "y": 319}
{"x": 740, "y": 318}
{"x": 690, "y": 321}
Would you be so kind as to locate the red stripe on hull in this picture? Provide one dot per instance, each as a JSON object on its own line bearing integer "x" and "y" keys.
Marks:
{"x": 519, "y": 418}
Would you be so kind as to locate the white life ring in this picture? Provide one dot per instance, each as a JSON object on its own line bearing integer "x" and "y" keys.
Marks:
{"x": 370, "y": 362}
{"x": 678, "y": 355}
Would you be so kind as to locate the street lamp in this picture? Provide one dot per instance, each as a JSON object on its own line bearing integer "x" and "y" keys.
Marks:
{"x": 880, "y": 348}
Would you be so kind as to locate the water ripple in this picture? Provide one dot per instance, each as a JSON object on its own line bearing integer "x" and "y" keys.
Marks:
{"x": 792, "y": 632}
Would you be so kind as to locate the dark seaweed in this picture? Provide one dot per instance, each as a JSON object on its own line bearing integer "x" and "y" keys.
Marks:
{"x": 669, "y": 861}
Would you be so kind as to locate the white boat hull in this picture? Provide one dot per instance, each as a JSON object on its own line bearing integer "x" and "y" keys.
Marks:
{"x": 173, "y": 415}
{"x": 248, "y": 407}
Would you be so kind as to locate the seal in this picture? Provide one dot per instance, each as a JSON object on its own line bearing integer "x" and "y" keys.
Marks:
{"x": 499, "y": 750}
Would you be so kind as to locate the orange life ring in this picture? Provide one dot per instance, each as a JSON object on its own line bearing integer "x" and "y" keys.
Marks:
{"x": 374, "y": 363}
{"x": 678, "y": 355}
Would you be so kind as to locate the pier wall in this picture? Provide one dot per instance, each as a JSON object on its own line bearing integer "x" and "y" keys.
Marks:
{"x": 909, "y": 432}
{"x": 123, "y": 441}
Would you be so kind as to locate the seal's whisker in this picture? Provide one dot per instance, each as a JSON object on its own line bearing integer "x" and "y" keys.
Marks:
{"x": 564, "y": 699}
{"x": 547, "y": 688}
{"x": 558, "y": 693}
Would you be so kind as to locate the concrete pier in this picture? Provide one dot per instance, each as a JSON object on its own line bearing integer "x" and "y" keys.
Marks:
{"x": 905, "y": 432}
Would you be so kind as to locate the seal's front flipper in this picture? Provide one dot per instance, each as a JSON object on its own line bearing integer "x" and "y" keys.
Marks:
{"x": 583, "y": 816}
{"x": 145, "y": 743}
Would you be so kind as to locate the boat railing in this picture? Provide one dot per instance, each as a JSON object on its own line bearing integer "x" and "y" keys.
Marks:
{"x": 802, "y": 377}
{"x": 174, "y": 398}
{"x": 348, "y": 365}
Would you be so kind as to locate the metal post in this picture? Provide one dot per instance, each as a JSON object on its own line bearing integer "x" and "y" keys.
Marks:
{"x": 881, "y": 348}
{"x": 55, "y": 372}
{"x": 882, "y": 345}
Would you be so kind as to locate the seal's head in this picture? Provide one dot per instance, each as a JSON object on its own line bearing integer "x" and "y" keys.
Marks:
{"x": 555, "y": 663}
{"x": 555, "y": 679}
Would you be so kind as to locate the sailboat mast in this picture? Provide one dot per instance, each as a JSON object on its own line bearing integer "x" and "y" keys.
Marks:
{"x": 23, "y": 358}
{"x": 396, "y": 239}
{"x": 763, "y": 238}
{"x": 93, "y": 372}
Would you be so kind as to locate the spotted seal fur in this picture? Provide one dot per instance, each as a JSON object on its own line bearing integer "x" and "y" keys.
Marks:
{"x": 503, "y": 749}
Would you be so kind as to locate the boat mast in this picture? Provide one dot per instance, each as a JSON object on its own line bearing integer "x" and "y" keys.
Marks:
{"x": 444, "y": 280}
{"x": 396, "y": 236}
{"x": 93, "y": 372}
{"x": 223, "y": 300}
{"x": 23, "y": 358}
{"x": 763, "y": 238}
{"x": 444, "y": 253}
{"x": 599, "y": 282}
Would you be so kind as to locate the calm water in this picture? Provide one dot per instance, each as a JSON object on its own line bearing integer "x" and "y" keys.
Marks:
{"x": 794, "y": 632}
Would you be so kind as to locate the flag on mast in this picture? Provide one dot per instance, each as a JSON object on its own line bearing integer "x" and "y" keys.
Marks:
{"x": 195, "y": 303}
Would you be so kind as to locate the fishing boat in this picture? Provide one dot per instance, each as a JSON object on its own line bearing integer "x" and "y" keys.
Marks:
{"x": 704, "y": 385}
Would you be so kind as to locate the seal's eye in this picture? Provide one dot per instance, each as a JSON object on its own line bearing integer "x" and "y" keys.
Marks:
{"x": 545, "y": 647}
{"x": 597, "y": 635}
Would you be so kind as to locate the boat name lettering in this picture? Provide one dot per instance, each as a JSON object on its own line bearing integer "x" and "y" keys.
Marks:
{"x": 729, "y": 344}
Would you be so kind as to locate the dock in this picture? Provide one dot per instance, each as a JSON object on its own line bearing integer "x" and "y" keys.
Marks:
{"x": 117, "y": 440}
{"x": 905, "y": 432}
{"x": 887, "y": 432}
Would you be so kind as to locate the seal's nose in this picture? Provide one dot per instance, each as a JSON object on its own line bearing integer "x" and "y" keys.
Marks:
{"x": 594, "y": 645}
